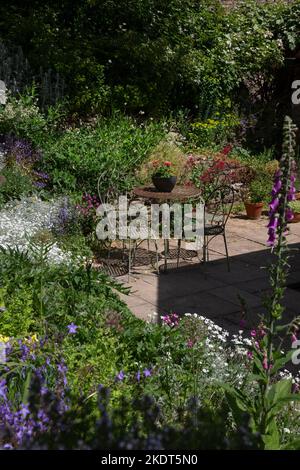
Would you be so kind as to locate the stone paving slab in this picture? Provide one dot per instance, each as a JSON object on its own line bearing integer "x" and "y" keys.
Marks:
{"x": 211, "y": 290}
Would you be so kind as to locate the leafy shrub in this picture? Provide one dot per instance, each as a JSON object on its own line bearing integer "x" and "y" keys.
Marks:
{"x": 259, "y": 190}
{"x": 15, "y": 185}
{"x": 18, "y": 316}
{"x": 214, "y": 132}
{"x": 295, "y": 206}
{"x": 188, "y": 54}
{"x": 108, "y": 152}
{"x": 21, "y": 117}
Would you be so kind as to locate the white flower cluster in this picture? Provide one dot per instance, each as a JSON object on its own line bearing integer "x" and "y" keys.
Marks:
{"x": 215, "y": 332}
{"x": 241, "y": 344}
{"x": 219, "y": 360}
{"x": 23, "y": 219}
{"x": 286, "y": 374}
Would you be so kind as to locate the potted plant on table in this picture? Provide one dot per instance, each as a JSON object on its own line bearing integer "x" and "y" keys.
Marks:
{"x": 163, "y": 177}
{"x": 257, "y": 193}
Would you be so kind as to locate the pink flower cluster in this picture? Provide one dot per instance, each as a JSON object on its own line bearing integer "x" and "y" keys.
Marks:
{"x": 89, "y": 204}
{"x": 256, "y": 335}
{"x": 171, "y": 320}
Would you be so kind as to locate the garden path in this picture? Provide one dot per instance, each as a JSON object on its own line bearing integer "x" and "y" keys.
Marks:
{"x": 214, "y": 292}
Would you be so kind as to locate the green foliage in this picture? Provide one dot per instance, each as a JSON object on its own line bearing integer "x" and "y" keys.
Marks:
{"x": 295, "y": 206}
{"x": 15, "y": 185}
{"x": 18, "y": 317}
{"x": 214, "y": 132}
{"x": 260, "y": 189}
{"x": 21, "y": 116}
{"x": 153, "y": 55}
{"x": 109, "y": 152}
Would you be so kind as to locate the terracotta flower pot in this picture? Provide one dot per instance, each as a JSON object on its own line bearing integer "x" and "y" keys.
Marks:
{"x": 254, "y": 209}
{"x": 164, "y": 185}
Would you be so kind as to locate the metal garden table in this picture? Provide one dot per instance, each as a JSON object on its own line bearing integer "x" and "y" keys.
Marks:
{"x": 180, "y": 194}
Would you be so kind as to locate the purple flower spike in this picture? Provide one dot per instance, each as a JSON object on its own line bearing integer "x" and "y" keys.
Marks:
{"x": 291, "y": 197}
{"x": 147, "y": 373}
{"x": 274, "y": 205}
{"x": 273, "y": 223}
{"x": 289, "y": 215}
{"x": 271, "y": 239}
{"x": 277, "y": 187}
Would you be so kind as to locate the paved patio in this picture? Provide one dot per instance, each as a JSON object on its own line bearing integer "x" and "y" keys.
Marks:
{"x": 211, "y": 290}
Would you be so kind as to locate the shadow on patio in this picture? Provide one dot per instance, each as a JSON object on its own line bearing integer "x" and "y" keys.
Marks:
{"x": 210, "y": 290}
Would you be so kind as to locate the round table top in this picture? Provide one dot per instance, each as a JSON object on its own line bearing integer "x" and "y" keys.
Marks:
{"x": 179, "y": 193}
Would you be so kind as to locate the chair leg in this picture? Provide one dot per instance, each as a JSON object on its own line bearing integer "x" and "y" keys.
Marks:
{"x": 129, "y": 259}
{"x": 157, "y": 258}
{"x": 166, "y": 252}
{"x": 204, "y": 257}
{"x": 123, "y": 249}
{"x": 226, "y": 250}
{"x": 178, "y": 251}
{"x": 205, "y": 250}
{"x": 134, "y": 251}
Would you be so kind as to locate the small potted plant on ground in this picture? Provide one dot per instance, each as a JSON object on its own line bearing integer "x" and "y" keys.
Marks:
{"x": 162, "y": 177}
{"x": 295, "y": 206}
{"x": 258, "y": 191}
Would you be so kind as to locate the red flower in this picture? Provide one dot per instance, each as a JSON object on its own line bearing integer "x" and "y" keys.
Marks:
{"x": 226, "y": 150}
{"x": 220, "y": 165}
{"x": 167, "y": 163}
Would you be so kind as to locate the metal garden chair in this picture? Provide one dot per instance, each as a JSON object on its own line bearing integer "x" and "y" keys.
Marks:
{"x": 218, "y": 207}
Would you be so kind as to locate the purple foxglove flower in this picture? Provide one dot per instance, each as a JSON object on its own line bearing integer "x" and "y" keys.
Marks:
{"x": 271, "y": 239}
{"x": 277, "y": 187}
{"x": 273, "y": 223}
{"x": 250, "y": 354}
{"x": 274, "y": 205}
{"x": 289, "y": 215}
{"x": 265, "y": 363}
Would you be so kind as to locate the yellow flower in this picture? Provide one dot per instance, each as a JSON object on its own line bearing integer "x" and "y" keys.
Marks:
{"x": 31, "y": 339}
{"x": 4, "y": 339}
